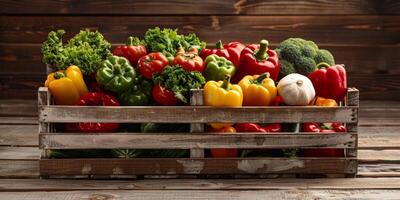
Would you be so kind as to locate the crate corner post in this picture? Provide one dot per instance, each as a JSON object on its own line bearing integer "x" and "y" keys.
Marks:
{"x": 352, "y": 99}
{"x": 44, "y": 99}
{"x": 196, "y": 99}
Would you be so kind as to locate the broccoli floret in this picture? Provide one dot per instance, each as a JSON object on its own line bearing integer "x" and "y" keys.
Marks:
{"x": 324, "y": 55}
{"x": 301, "y": 56}
{"x": 285, "y": 68}
{"x": 305, "y": 65}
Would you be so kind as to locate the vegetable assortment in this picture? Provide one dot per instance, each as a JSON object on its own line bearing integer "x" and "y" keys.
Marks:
{"x": 161, "y": 68}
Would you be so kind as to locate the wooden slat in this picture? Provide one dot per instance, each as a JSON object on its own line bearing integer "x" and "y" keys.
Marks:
{"x": 204, "y": 194}
{"x": 18, "y": 120}
{"x": 208, "y": 7}
{"x": 19, "y": 153}
{"x": 26, "y": 59}
{"x": 143, "y": 166}
{"x": 19, "y": 135}
{"x": 196, "y": 114}
{"x": 200, "y": 184}
{"x": 379, "y": 156}
{"x": 350, "y": 30}
{"x": 17, "y": 107}
{"x": 19, "y": 168}
{"x": 192, "y": 140}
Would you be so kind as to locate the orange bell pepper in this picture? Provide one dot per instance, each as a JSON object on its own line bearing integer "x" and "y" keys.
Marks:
{"x": 223, "y": 153}
{"x": 321, "y": 101}
{"x": 258, "y": 90}
{"x": 66, "y": 86}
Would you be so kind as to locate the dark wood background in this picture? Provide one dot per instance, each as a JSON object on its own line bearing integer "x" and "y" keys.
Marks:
{"x": 363, "y": 34}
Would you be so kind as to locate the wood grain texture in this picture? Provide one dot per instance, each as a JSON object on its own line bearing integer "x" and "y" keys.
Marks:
{"x": 204, "y": 194}
{"x": 19, "y": 135}
{"x": 205, "y": 7}
{"x": 191, "y": 140}
{"x": 200, "y": 184}
{"x": 196, "y": 114}
{"x": 19, "y": 168}
{"x": 144, "y": 166}
{"x": 349, "y": 30}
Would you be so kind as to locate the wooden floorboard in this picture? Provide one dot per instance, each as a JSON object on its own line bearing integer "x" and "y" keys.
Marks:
{"x": 204, "y": 194}
{"x": 200, "y": 184}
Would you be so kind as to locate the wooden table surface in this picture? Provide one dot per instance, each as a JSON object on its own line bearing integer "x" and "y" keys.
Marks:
{"x": 378, "y": 176}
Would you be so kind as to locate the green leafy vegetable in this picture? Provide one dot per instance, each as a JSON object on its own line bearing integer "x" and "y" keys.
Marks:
{"x": 180, "y": 81}
{"x": 168, "y": 41}
{"x": 86, "y": 50}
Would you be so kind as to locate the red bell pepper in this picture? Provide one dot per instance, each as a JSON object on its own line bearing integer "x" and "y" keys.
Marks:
{"x": 95, "y": 99}
{"x": 152, "y": 63}
{"x": 133, "y": 50}
{"x": 329, "y": 81}
{"x": 164, "y": 96}
{"x": 230, "y": 51}
{"x": 252, "y": 127}
{"x": 258, "y": 59}
{"x": 317, "y": 128}
{"x": 189, "y": 61}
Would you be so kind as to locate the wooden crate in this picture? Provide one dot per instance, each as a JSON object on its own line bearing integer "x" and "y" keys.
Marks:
{"x": 196, "y": 140}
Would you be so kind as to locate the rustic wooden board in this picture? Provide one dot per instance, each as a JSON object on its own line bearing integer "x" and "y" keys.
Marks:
{"x": 196, "y": 114}
{"x": 205, "y": 194}
{"x": 19, "y": 168}
{"x": 19, "y": 153}
{"x": 194, "y": 140}
{"x": 347, "y": 30}
{"x": 379, "y": 156}
{"x": 143, "y": 166}
{"x": 205, "y": 7}
{"x": 19, "y": 135}
{"x": 200, "y": 184}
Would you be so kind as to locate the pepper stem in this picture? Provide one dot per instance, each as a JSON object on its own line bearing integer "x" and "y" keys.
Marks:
{"x": 219, "y": 45}
{"x": 58, "y": 75}
{"x": 261, "y": 53}
{"x": 225, "y": 83}
{"x": 262, "y": 77}
{"x": 133, "y": 41}
{"x": 323, "y": 65}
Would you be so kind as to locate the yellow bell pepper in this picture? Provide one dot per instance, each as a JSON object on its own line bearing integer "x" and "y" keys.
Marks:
{"x": 66, "y": 86}
{"x": 258, "y": 90}
{"x": 321, "y": 101}
{"x": 222, "y": 94}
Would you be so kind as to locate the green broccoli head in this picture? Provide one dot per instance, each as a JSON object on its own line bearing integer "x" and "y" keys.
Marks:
{"x": 285, "y": 68}
{"x": 305, "y": 65}
{"x": 324, "y": 55}
{"x": 301, "y": 56}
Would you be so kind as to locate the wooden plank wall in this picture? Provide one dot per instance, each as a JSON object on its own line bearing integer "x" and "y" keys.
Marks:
{"x": 363, "y": 34}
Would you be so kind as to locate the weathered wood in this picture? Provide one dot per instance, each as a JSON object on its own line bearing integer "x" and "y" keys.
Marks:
{"x": 350, "y": 30}
{"x": 379, "y": 156}
{"x": 44, "y": 98}
{"x": 19, "y": 135}
{"x": 208, "y": 7}
{"x": 188, "y": 141}
{"x": 143, "y": 166}
{"x": 196, "y": 99}
{"x": 17, "y": 107}
{"x": 19, "y": 168}
{"x": 200, "y": 184}
{"x": 195, "y": 114}
{"x": 19, "y": 153}
{"x": 205, "y": 194}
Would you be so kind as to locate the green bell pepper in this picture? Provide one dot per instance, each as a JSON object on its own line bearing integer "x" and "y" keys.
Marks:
{"x": 138, "y": 93}
{"x": 217, "y": 68}
{"x": 115, "y": 74}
